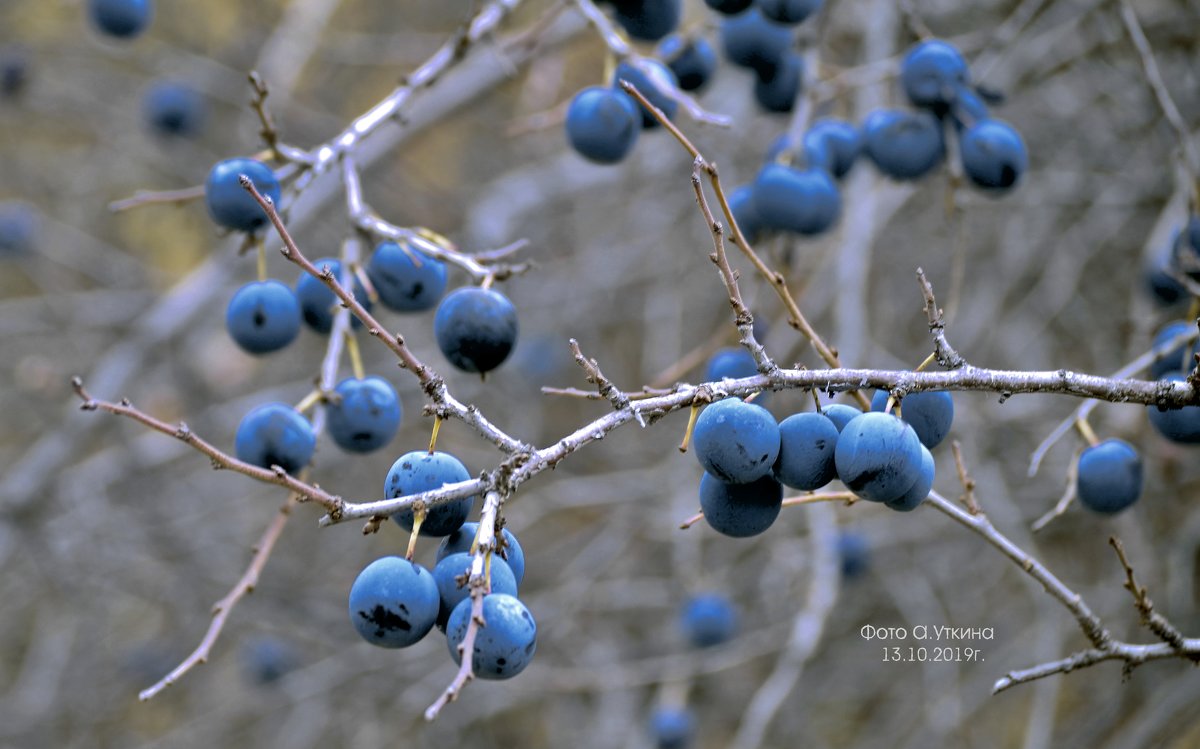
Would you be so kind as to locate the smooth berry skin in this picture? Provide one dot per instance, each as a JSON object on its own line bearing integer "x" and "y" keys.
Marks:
{"x": 393, "y": 603}
{"x": 1109, "y": 477}
{"x": 707, "y": 620}
{"x": 745, "y": 212}
{"x": 422, "y": 471}
{"x": 505, "y": 646}
{"x": 993, "y": 155}
{"x": 806, "y": 446}
{"x": 229, "y": 205}
{"x": 801, "y": 201}
{"x": 740, "y": 510}
{"x": 275, "y": 434}
{"x": 672, "y": 728}
{"x": 929, "y": 413}
{"x": 1178, "y": 358}
{"x": 815, "y": 153}
{"x": 1164, "y": 287}
{"x": 732, "y": 362}
{"x": 263, "y": 316}
{"x": 650, "y": 80}
{"x": 903, "y": 145}
{"x": 854, "y": 553}
{"x": 460, "y": 542}
{"x": 476, "y": 329}
{"x": 693, "y": 61}
{"x": 735, "y": 441}
{"x": 778, "y": 90}
{"x": 1179, "y": 425}
{"x": 649, "y": 20}
{"x": 1193, "y": 233}
{"x": 789, "y": 12}
{"x": 318, "y": 303}
{"x": 920, "y": 489}
{"x": 123, "y": 19}
{"x": 603, "y": 124}
{"x": 405, "y": 279}
{"x": 365, "y": 414}
{"x": 878, "y": 457}
{"x": 840, "y": 414}
{"x": 19, "y": 228}
{"x": 751, "y": 41}
{"x": 729, "y": 7}
{"x": 932, "y": 74}
{"x": 447, "y": 571}
{"x": 839, "y": 139}
{"x": 174, "y": 109}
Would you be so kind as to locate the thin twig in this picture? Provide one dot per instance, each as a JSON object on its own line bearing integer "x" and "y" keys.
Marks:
{"x": 1068, "y": 496}
{"x": 1151, "y": 619}
{"x": 607, "y": 390}
{"x": 221, "y": 610}
{"x": 258, "y": 102}
{"x": 964, "y": 478}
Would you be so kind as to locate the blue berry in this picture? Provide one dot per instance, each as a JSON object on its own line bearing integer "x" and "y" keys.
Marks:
{"x": 19, "y": 228}
{"x": 421, "y": 471}
{"x": 930, "y": 413}
{"x": 672, "y": 728}
{"x": 263, "y": 316}
{"x": 708, "y": 619}
{"x": 993, "y": 155}
{"x": 751, "y": 41}
{"x": 745, "y": 212}
{"x": 174, "y": 109}
{"x": 903, "y": 145}
{"x": 405, "y": 279}
{"x": 603, "y": 124}
{"x": 318, "y": 303}
{"x": 504, "y": 646}
{"x": 806, "y": 446}
{"x": 840, "y": 414}
{"x": 461, "y": 540}
{"x": 476, "y": 328}
{"x": 854, "y": 554}
{"x": 266, "y": 660}
{"x": 1178, "y": 358}
{"x": 393, "y": 602}
{"x": 693, "y": 61}
{"x": 651, "y": 78}
{"x": 802, "y": 201}
{"x": 733, "y": 362}
{"x": 777, "y": 90}
{"x": 229, "y": 204}
{"x": 123, "y": 19}
{"x": 1109, "y": 477}
{"x": 839, "y": 139}
{"x": 450, "y": 568}
{"x": 1165, "y": 288}
{"x": 932, "y": 73}
{"x": 1193, "y": 232}
{"x": 1180, "y": 425}
{"x": 735, "y": 441}
{"x": 729, "y": 7}
{"x": 275, "y": 434}
{"x": 740, "y": 510}
{"x": 649, "y": 20}
{"x": 788, "y": 12}
{"x": 920, "y": 489}
{"x": 878, "y": 457}
{"x": 365, "y": 414}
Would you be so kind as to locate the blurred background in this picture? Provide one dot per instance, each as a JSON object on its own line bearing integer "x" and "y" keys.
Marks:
{"x": 115, "y": 541}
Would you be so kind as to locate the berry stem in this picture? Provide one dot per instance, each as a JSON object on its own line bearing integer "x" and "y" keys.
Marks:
{"x": 310, "y": 400}
{"x": 928, "y": 360}
{"x": 437, "y": 425}
{"x": 1085, "y": 430}
{"x": 687, "y": 433}
{"x": 355, "y": 355}
{"x": 419, "y": 513}
{"x": 262, "y": 258}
